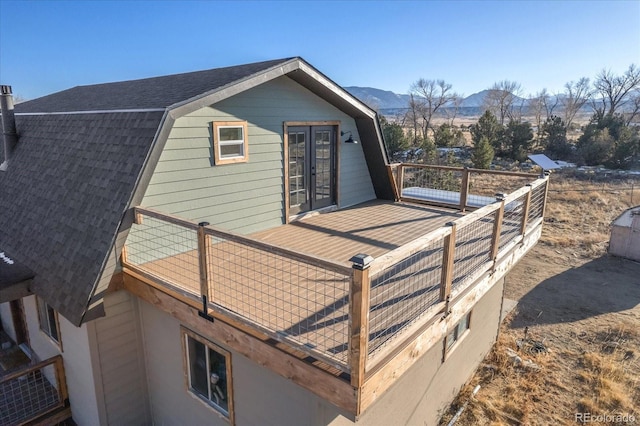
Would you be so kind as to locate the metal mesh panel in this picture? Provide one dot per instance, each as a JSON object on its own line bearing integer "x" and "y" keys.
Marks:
{"x": 436, "y": 185}
{"x": 293, "y": 299}
{"x": 536, "y": 206}
{"x": 402, "y": 293}
{"x": 167, "y": 251}
{"x": 26, "y": 397}
{"x": 473, "y": 249}
{"x": 512, "y": 221}
{"x": 483, "y": 187}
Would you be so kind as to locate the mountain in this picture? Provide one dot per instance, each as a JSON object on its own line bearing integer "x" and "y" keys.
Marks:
{"x": 388, "y": 101}
{"x": 379, "y": 99}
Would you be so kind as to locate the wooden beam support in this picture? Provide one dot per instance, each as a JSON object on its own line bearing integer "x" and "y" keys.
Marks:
{"x": 400, "y": 179}
{"x": 203, "y": 256}
{"x": 327, "y": 386}
{"x": 464, "y": 189}
{"x": 447, "y": 263}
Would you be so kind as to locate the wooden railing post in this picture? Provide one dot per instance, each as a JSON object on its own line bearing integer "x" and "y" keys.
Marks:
{"x": 359, "y": 318}
{"x": 497, "y": 230}
{"x": 61, "y": 379}
{"x": 464, "y": 189}
{"x": 400, "y": 179}
{"x": 546, "y": 192}
{"x": 203, "y": 256}
{"x": 525, "y": 212}
{"x": 447, "y": 266}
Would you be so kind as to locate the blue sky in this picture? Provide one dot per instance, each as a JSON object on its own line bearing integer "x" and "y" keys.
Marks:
{"x": 47, "y": 46}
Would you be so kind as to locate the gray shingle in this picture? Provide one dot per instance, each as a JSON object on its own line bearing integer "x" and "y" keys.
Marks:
{"x": 63, "y": 196}
{"x": 156, "y": 92}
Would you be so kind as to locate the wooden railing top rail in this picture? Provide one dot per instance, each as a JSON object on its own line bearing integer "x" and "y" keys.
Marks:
{"x": 30, "y": 369}
{"x": 395, "y": 256}
{"x": 251, "y": 242}
{"x": 471, "y": 170}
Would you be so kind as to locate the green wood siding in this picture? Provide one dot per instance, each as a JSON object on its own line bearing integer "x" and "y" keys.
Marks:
{"x": 247, "y": 197}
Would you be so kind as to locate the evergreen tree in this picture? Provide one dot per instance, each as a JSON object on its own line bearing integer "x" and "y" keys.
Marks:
{"x": 488, "y": 126}
{"x": 554, "y": 138}
{"x": 394, "y": 138}
{"x": 518, "y": 140}
{"x": 483, "y": 153}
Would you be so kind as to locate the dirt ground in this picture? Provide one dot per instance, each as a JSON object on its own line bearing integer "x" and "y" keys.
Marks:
{"x": 583, "y": 306}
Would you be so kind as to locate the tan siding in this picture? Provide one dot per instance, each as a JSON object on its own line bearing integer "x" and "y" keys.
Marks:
{"x": 119, "y": 347}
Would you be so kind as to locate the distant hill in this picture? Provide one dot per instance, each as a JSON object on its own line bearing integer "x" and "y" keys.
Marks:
{"x": 379, "y": 99}
{"x": 389, "y": 103}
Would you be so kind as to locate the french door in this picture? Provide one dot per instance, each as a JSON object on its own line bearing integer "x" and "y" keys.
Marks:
{"x": 312, "y": 165}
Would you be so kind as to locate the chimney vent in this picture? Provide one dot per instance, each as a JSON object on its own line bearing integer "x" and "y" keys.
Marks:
{"x": 10, "y": 137}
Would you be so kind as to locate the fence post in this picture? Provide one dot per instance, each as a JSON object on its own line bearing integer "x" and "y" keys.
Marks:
{"x": 497, "y": 230}
{"x": 525, "y": 212}
{"x": 546, "y": 192}
{"x": 203, "y": 256}
{"x": 447, "y": 266}
{"x": 464, "y": 189}
{"x": 61, "y": 379}
{"x": 359, "y": 317}
{"x": 401, "y": 179}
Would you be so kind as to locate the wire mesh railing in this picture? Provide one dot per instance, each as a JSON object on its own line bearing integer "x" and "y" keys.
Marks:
{"x": 293, "y": 297}
{"x": 437, "y": 184}
{"x": 536, "y": 206}
{"x": 167, "y": 250}
{"x": 511, "y": 226}
{"x": 403, "y": 293}
{"x": 32, "y": 392}
{"x": 300, "y": 300}
{"x": 473, "y": 248}
{"x": 326, "y": 309}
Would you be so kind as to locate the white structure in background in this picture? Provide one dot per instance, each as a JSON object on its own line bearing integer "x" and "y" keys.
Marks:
{"x": 625, "y": 235}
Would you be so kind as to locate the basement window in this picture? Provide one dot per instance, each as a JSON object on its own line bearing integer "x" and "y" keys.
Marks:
{"x": 459, "y": 331}
{"x": 48, "y": 318}
{"x": 208, "y": 372}
{"x": 230, "y": 144}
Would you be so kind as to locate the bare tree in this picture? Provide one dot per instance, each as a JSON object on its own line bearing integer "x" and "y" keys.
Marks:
{"x": 538, "y": 106}
{"x": 612, "y": 90}
{"x": 453, "y": 108}
{"x": 575, "y": 95}
{"x": 501, "y": 99}
{"x": 635, "y": 107}
{"x": 413, "y": 117}
{"x": 431, "y": 96}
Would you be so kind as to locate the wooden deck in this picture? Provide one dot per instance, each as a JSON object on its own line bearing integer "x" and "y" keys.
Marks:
{"x": 299, "y": 301}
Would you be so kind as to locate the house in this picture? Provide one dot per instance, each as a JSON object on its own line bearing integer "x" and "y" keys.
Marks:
{"x": 232, "y": 246}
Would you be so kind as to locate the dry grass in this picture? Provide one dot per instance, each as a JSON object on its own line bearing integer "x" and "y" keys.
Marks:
{"x": 593, "y": 365}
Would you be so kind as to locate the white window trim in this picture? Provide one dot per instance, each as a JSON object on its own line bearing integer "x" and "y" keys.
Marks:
{"x": 225, "y": 414}
{"x": 217, "y": 143}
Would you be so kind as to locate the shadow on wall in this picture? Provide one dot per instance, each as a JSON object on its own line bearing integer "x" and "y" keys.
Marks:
{"x": 604, "y": 285}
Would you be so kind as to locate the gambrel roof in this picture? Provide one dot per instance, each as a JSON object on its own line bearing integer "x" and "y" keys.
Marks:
{"x": 85, "y": 156}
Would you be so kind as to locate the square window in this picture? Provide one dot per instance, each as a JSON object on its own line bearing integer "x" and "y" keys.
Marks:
{"x": 230, "y": 144}
{"x": 208, "y": 372}
{"x": 456, "y": 333}
{"x": 48, "y": 318}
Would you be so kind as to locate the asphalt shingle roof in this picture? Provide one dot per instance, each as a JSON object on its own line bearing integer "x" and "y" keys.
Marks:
{"x": 148, "y": 93}
{"x": 67, "y": 187}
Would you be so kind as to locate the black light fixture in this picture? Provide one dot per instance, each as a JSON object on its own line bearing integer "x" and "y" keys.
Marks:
{"x": 350, "y": 139}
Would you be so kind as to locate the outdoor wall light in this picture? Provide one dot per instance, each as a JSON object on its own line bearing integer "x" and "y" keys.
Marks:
{"x": 350, "y": 139}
